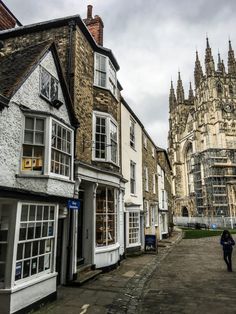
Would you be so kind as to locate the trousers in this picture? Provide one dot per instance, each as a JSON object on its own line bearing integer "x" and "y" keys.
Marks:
{"x": 228, "y": 259}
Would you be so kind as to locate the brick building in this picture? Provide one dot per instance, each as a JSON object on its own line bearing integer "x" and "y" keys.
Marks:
{"x": 7, "y": 19}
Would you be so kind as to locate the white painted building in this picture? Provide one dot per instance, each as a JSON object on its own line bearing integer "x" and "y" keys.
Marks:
{"x": 131, "y": 160}
{"x": 163, "y": 203}
{"x": 36, "y": 176}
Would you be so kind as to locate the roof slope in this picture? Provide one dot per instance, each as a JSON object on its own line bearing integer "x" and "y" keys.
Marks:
{"x": 14, "y": 68}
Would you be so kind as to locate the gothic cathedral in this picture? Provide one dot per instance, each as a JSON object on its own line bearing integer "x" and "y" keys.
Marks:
{"x": 202, "y": 140}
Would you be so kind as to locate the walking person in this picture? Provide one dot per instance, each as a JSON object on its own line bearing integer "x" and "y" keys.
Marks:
{"x": 227, "y": 242}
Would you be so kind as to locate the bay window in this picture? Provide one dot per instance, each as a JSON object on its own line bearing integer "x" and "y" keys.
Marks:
{"x": 106, "y": 216}
{"x": 105, "y": 73}
{"x": 47, "y": 147}
{"x": 35, "y": 248}
{"x": 105, "y": 137}
{"x": 4, "y": 230}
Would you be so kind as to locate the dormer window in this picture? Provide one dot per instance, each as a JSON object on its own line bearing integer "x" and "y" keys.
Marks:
{"x": 48, "y": 85}
{"x": 105, "y": 73}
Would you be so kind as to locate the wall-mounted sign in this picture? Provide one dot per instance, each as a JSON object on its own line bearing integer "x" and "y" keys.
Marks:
{"x": 73, "y": 204}
{"x": 150, "y": 243}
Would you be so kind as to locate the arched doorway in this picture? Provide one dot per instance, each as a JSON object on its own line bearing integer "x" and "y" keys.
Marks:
{"x": 184, "y": 211}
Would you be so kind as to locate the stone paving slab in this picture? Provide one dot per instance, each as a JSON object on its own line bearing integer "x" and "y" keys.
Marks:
{"x": 192, "y": 280}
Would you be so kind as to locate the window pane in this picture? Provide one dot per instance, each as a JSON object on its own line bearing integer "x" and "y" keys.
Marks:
{"x": 26, "y": 269}
{"x": 54, "y": 89}
{"x": 27, "y": 249}
{"x": 24, "y": 213}
{"x": 23, "y": 230}
{"x": 20, "y": 251}
{"x": 35, "y": 248}
{"x": 29, "y": 137}
{"x": 34, "y": 266}
{"x": 32, "y": 212}
{"x": 29, "y": 123}
{"x": 39, "y": 124}
{"x": 45, "y": 83}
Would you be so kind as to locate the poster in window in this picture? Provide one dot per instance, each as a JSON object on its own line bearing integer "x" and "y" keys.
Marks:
{"x": 18, "y": 270}
{"x": 27, "y": 163}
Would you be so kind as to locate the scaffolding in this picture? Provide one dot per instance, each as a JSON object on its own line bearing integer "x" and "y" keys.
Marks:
{"x": 213, "y": 169}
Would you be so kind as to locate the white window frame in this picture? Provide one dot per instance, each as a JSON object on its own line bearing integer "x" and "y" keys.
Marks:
{"x": 109, "y": 72}
{"x": 132, "y": 133}
{"x": 51, "y": 238}
{"x": 154, "y": 183}
{"x": 46, "y": 169}
{"x": 40, "y": 84}
{"x": 147, "y": 213}
{"x": 153, "y": 152}
{"x": 132, "y": 178}
{"x": 145, "y": 141}
{"x": 109, "y": 121}
{"x": 131, "y": 228}
{"x": 146, "y": 178}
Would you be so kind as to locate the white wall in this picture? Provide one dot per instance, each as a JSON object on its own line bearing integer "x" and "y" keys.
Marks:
{"x": 12, "y": 129}
{"x": 128, "y": 154}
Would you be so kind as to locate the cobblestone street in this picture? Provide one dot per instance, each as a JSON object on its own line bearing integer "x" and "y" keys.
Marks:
{"x": 185, "y": 277}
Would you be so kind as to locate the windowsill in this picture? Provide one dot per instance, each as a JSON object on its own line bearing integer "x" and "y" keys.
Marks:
{"x": 134, "y": 245}
{"x": 106, "y": 161}
{"x": 28, "y": 283}
{"x": 133, "y": 148}
{"x": 133, "y": 195}
{"x": 108, "y": 248}
{"x": 43, "y": 176}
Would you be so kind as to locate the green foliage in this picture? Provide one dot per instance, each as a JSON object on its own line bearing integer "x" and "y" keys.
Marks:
{"x": 195, "y": 234}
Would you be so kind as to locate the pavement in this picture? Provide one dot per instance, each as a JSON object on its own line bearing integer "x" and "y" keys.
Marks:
{"x": 185, "y": 277}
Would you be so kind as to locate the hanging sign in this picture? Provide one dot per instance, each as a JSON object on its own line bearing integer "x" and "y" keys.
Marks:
{"x": 73, "y": 204}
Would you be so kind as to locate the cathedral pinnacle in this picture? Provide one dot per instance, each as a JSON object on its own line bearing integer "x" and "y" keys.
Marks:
{"x": 198, "y": 73}
{"x": 231, "y": 61}
{"x": 190, "y": 94}
{"x": 220, "y": 65}
{"x": 180, "y": 90}
{"x": 172, "y": 98}
{"x": 209, "y": 61}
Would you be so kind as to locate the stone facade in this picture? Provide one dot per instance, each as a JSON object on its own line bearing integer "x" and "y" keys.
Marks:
{"x": 202, "y": 138}
{"x": 150, "y": 196}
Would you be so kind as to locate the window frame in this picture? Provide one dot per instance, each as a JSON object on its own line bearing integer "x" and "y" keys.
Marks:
{"x": 132, "y": 179}
{"x": 46, "y": 167}
{"x": 146, "y": 178}
{"x": 17, "y": 241}
{"x": 147, "y": 213}
{"x": 42, "y": 68}
{"x": 132, "y": 133}
{"x": 110, "y": 74}
{"x": 133, "y": 228}
{"x": 109, "y": 120}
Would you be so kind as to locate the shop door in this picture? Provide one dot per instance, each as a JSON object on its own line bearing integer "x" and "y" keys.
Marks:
{"x": 59, "y": 249}
{"x": 80, "y": 259}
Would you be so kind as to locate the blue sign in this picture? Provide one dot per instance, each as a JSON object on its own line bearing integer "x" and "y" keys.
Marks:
{"x": 213, "y": 226}
{"x": 73, "y": 204}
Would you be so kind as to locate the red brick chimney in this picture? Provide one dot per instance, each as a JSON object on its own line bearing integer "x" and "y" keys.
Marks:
{"x": 7, "y": 19}
{"x": 95, "y": 25}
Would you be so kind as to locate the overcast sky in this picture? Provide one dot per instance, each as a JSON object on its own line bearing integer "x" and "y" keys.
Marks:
{"x": 152, "y": 40}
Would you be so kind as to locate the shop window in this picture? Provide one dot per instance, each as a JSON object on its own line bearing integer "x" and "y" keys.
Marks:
{"x": 105, "y": 138}
{"x": 36, "y": 240}
{"x": 48, "y": 85}
{"x": 61, "y": 150}
{"x": 4, "y": 228}
{"x": 106, "y": 216}
{"x": 134, "y": 228}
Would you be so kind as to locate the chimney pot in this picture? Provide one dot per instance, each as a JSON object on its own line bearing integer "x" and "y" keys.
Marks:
{"x": 89, "y": 11}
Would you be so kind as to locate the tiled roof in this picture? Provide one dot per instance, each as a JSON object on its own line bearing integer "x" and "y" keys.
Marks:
{"x": 15, "y": 68}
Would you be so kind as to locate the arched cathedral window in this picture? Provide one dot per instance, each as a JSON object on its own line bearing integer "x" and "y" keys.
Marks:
{"x": 189, "y": 161}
